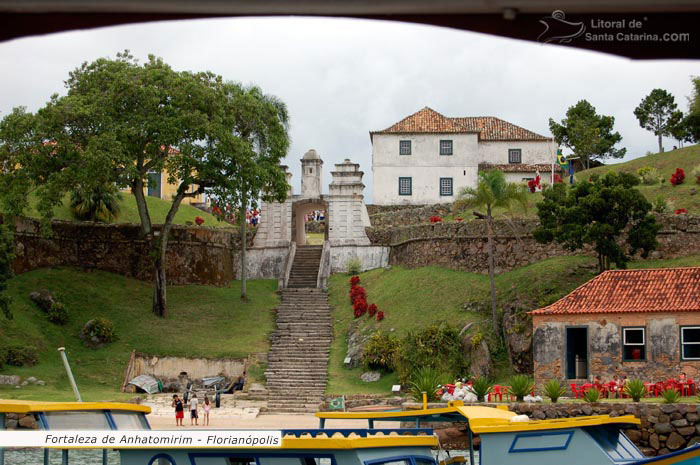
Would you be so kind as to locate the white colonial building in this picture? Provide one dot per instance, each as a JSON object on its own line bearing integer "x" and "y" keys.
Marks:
{"x": 427, "y": 157}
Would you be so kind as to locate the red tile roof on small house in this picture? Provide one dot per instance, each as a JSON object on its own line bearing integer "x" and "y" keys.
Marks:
{"x": 488, "y": 128}
{"x": 543, "y": 168}
{"x": 633, "y": 291}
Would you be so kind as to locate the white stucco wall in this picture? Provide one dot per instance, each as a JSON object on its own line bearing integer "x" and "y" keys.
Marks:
{"x": 425, "y": 166}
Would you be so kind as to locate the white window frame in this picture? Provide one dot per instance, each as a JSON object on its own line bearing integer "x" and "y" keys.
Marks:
{"x": 683, "y": 343}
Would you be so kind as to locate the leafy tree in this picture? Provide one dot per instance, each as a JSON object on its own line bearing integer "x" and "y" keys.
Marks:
{"x": 658, "y": 113}
{"x": 99, "y": 204}
{"x": 254, "y": 128}
{"x": 492, "y": 191}
{"x": 7, "y": 248}
{"x": 681, "y": 129}
{"x": 597, "y": 213}
{"x": 694, "y": 99}
{"x": 692, "y": 120}
{"x": 587, "y": 133}
{"x": 120, "y": 121}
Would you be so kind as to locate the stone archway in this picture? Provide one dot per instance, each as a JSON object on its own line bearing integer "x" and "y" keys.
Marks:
{"x": 299, "y": 209}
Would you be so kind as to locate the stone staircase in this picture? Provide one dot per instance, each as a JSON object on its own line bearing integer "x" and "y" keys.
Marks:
{"x": 304, "y": 273}
{"x": 299, "y": 347}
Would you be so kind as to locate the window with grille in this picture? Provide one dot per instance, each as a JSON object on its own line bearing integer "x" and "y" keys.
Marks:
{"x": 515, "y": 156}
{"x": 634, "y": 344}
{"x": 690, "y": 342}
{"x": 445, "y": 186}
{"x": 405, "y": 186}
{"x": 445, "y": 147}
{"x": 404, "y": 147}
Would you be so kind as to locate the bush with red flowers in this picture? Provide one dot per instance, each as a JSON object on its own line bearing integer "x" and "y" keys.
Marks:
{"x": 557, "y": 178}
{"x": 356, "y": 293}
{"x": 436, "y": 219}
{"x": 199, "y": 220}
{"x": 534, "y": 184}
{"x": 678, "y": 177}
{"x": 354, "y": 281}
{"x": 372, "y": 309}
{"x": 380, "y": 315}
{"x": 359, "y": 307}
{"x": 681, "y": 211}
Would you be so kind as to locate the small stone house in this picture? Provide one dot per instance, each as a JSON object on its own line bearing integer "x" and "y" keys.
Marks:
{"x": 640, "y": 323}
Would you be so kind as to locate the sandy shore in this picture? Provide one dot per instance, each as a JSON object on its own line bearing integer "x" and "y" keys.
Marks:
{"x": 263, "y": 422}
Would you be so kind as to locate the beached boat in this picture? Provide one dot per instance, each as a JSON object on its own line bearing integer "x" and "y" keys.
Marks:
{"x": 505, "y": 438}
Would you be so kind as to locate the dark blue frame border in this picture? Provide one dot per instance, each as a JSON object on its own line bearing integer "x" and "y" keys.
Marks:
{"x": 513, "y": 450}
{"x": 410, "y": 458}
{"x": 194, "y": 455}
{"x": 161, "y": 456}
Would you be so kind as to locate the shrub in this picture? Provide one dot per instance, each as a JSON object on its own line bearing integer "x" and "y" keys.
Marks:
{"x": 380, "y": 315}
{"x": 436, "y": 219}
{"x": 98, "y": 204}
{"x": 649, "y": 175}
{"x": 438, "y": 346}
{"x": 359, "y": 307}
{"x": 681, "y": 211}
{"x": 19, "y": 356}
{"x": 379, "y": 353}
{"x": 372, "y": 310}
{"x": 354, "y": 281}
{"x": 678, "y": 177}
{"x": 199, "y": 220}
{"x": 660, "y": 204}
{"x": 592, "y": 395}
{"x": 357, "y": 293}
{"x": 481, "y": 387}
{"x": 670, "y": 396}
{"x": 98, "y": 332}
{"x": 426, "y": 379}
{"x": 695, "y": 173}
{"x": 554, "y": 390}
{"x": 520, "y": 386}
{"x": 354, "y": 266}
{"x": 635, "y": 389}
{"x": 57, "y": 313}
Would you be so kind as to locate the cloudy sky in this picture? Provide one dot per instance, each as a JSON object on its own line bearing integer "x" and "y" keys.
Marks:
{"x": 342, "y": 78}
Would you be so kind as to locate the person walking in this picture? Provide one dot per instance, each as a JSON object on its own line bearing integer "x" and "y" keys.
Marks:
{"x": 206, "y": 407}
{"x": 193, "y": 410}
{"x": 179, "y": 410}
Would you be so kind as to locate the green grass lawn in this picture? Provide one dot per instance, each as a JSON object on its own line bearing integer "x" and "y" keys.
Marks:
{"x": 203, "y": 321}
{"x": 666, "y": 164}
{"x": 415, "y": 298}
{"x": 157, "y": 208}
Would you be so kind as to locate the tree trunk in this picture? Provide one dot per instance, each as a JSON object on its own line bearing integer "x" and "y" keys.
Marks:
{"x": 661, "y": 147}
{"x": 489, "y": 229}
{"x": 160, "y": 297}
{"x": 244, "y": 237}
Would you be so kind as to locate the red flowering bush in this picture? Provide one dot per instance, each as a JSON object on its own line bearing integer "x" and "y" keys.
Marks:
{"x": 354, "y": 281}
{"x": 436, "y": 219}
{"x": 681, "y": 211}
{"x": 372, "y": 309}
{"x": 356, "y": 293}
{"x": 380, "y": 315}
{"x": 678, "y": 177}
{"x": 359, "y": 307}
{"x": 534, "y": 184}
{"x": 199, "y": 220}
{"x": 557, "y": 178}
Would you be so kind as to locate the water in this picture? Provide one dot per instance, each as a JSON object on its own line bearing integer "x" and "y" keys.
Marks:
{"x": 76, "y": 457}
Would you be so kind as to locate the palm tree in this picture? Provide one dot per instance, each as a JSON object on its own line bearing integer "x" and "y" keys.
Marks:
{"x": 100, "y": 204}
{"x": 492, "y": 191}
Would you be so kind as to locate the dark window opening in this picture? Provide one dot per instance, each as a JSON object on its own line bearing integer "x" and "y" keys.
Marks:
{"x": 405, "y": 186}
{"x": 445, "y": 187}
{"x": 577, "y": 353}
{"x": 515, "y": 156}
{"x": 404, "y": 147}
{"x": 445, "y": 147}
{"x": 633, "y": 344}
{"x": 690, "y": 342}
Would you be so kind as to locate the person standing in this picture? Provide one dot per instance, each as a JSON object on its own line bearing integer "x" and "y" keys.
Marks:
{"x": 193, "y": 410}
{"x": 206, "y": 407}
{"x": 179, "y": 410}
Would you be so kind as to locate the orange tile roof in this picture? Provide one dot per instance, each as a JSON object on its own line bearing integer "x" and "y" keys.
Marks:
{"x": 543, "y": 168}
{"x": 626, "y": 291}
{"x": 488, "y": 128}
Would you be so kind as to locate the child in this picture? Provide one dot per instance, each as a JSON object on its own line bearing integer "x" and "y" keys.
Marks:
{"x": 193, "y": 410}
{"x": 207, "y": 407}
{"x": 179, "y": 410}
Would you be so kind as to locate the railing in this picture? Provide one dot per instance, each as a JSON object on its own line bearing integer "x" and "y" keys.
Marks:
{"x": 290, "y": 260}
{"x": 361, "y": 432}
{"x": 324, "y": 267}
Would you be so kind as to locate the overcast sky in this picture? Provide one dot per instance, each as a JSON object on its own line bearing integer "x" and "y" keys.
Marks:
{"x": 342, "y": 78}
